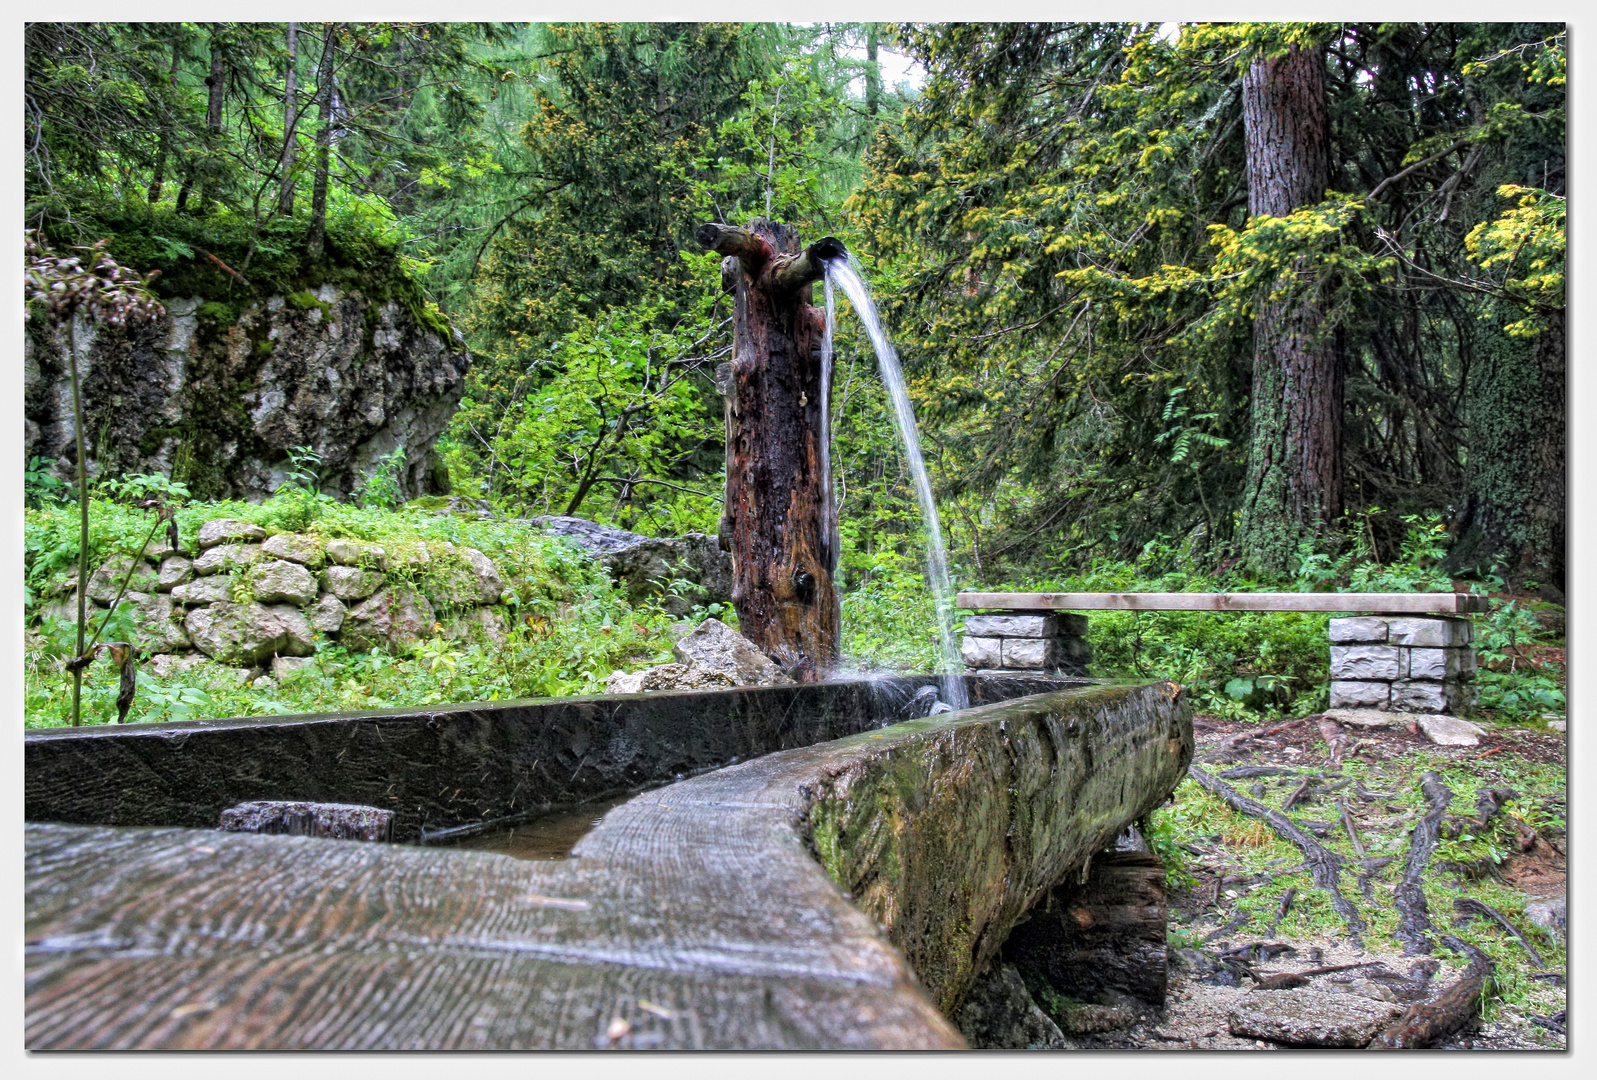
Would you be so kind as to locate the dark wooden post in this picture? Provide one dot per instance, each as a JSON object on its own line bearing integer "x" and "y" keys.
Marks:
{"x": 782, "y": 556}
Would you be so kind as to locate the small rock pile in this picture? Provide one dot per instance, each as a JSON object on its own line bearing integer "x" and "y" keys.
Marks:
{"x": 713, "y": 655}
{"x": 247, "y": 599}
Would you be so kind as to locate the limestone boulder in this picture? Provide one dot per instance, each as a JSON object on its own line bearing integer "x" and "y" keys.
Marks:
{"x": 229, "y": 531}
{"x": 157, "y": 626}
{"x": 1310, "y": 1017}
{"x": 227, "y": 558}
{"x": 205, "y": 590}
{"x": 106, "y": 581}
{"x": 249, "y": 634}
{"x": 479, "y": 624}
{"x": 393, "y": 618}
{"x": 281, "y": 581}
{"x": 646, "y": 566}
{"x": 286, "y": 666}
{"x": 353, "y": 377}
{"x": 304, "y": 550}
{"x": 715, "y": 646}
{"x": 328, "y": 614}
{"x": 351, "y": 582}
{"x": 490, "y": 586}
{"x": 666, "y": 677}
{"x": 175, "y": 571}
{"x": 165, "y": 665}
{"x": 356, "y": 553}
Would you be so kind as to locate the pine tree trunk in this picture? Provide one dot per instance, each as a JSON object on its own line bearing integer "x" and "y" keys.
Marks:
{"x": 782, "y": 561}
{"x": 158, "y": 176}
{"x": 217, "y": 81}
{"x": 1294, "y": 478}
{"x": 324, "y": 140}
{"x": 1513, "y": 518}
{"x": 285, "y": 165}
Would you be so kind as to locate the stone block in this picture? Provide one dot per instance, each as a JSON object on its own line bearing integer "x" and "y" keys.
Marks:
{"x": 1057, "y": 624}
{"x": 106, "y": 582}
{"x": 1354, "y": 694}
{"x": 1364, "y": 662}
{"x": 1358, "y": 630}
{"x": 982, "y": 652}
{"x": 328, "y": 614}
{"x": 1451, "y": 731}
{"x": 1041, "y": 654}
{"x": 1419, "y": 695}
{"x": 1429, "y": 633}
{"x": 1433, "y": 664}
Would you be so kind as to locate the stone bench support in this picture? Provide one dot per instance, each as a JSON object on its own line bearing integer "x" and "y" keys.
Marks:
{"x": 1415, "y": 655}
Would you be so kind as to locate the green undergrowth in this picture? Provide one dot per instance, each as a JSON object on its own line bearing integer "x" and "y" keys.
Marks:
{"x": 569, "y": 626}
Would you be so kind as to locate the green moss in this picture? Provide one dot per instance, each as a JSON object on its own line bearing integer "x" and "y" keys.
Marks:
{"x": 218, "y": 313}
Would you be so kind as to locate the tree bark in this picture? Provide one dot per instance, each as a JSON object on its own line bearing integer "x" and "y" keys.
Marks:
{"x": 324, "y": 140}
{"x": 285, "y": 165}
{"x": 1294, "y": 478}
{"x": 1513, "y": 517}
{"x": 782, "y": 561}
{"x": 158, "y": 176}
{"x": 217, "y": 82}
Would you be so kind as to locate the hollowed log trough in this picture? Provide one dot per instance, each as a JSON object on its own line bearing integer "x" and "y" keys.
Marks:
{"x": 843, "y": 894}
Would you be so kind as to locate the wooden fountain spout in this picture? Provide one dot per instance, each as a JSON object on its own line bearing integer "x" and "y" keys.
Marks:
{"x": 775, "y": 516}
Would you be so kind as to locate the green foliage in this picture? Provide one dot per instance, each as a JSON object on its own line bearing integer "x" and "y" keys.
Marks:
{"x": 40, "y": 484}
{"x": 382, "y": 489}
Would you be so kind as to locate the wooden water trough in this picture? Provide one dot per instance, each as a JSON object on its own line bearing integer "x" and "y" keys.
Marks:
{"x": 843, "y": 891}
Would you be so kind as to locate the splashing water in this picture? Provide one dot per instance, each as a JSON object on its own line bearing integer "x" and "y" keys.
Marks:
{"x": 842, "y": 271}
{"x": 829, "y": 534}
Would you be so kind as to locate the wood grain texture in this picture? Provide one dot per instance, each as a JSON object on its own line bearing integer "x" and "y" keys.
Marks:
{"x": 1383, "y": 603}
{"x": 696, "y": 913}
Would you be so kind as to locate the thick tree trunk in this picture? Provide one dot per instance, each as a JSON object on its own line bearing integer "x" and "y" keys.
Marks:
{"x": 324, "y": 141}
{"x": 1513, "y": 518}
{"x": 1294, "y": 479}
{"x": 782, "y": 561}
{"x": 285, "y": 165}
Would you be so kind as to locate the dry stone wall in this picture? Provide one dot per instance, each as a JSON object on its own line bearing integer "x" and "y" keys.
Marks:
{"x": 1403, "y": 663}
{"x": 248, "y": 600}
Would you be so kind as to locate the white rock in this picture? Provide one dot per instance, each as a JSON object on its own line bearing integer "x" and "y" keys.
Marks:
{"x": 356, "y": 553}
{"x": 175, "y": 570}
{"x": 281, "y": 580}
{"x": 205, "y": 590}
{"x": 1431, "y": 633}
{"x": 227, "y": 557}
{"x": 228, "y": 530}
{"x": 1364, "y": 717}
{"x": 295, "y": 548}
{"x": 284, "y": 666}
{"x": 1352, "y": 694}
{"x": 1450, "y": 730}
{"x": 351, "y": 582}
{"x": 715, "y": 646}
{"x": 328, "y": 614}
{"x": 1026, "y": 626}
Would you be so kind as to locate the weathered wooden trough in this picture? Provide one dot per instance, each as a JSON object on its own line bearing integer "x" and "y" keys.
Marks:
{"x": 829, "y": 878}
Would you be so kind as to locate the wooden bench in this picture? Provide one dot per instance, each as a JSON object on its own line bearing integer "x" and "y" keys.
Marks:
{"x": 1406, "y": 652}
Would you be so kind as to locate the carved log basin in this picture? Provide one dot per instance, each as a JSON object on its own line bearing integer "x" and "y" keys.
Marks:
{"x": 826, "y": 876}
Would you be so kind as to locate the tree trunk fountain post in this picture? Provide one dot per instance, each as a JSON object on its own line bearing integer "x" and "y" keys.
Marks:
{"x": 777, "y": 512}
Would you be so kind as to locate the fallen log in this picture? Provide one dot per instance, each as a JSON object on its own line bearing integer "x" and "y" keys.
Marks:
{"x": 1427, "y": 1023}
{"x": 1414, "y": 921}
{"x": 1325, "y": 865}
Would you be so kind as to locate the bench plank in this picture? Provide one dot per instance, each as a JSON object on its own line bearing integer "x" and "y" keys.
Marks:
{"x": 1383, "y": 603}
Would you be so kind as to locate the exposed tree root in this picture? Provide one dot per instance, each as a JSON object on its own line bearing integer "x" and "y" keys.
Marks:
{"x": 1325, "y": 865}
{"x": 1429, "y": 1022}
{"x": 1414, "y": 919}
{"x": 1467, "y": 907}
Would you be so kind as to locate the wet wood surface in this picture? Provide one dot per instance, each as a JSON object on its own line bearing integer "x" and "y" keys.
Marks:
{"x": 695, "y": 915}
{"x": 1382, "y": 603}
{"x": 776, "y": 513}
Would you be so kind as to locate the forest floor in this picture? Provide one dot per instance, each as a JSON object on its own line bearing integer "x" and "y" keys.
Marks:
{"x": 1245, "y": 906}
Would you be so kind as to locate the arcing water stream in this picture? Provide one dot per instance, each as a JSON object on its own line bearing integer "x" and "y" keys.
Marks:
{"x": 841, "y": 270}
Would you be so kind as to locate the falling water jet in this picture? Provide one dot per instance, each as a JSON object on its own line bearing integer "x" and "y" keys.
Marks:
{"x": 841, "y": 270}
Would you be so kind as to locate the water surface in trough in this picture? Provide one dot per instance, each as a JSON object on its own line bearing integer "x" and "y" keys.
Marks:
{"x": 548, "y": 836}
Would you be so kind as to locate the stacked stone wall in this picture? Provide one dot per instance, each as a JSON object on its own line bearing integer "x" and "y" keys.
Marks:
{"x": 1402, "y": 663}
{"x": 1050, "y": 641}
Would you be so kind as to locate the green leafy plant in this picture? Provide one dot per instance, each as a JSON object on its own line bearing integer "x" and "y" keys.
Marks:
{"x": 383, "y": 489}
